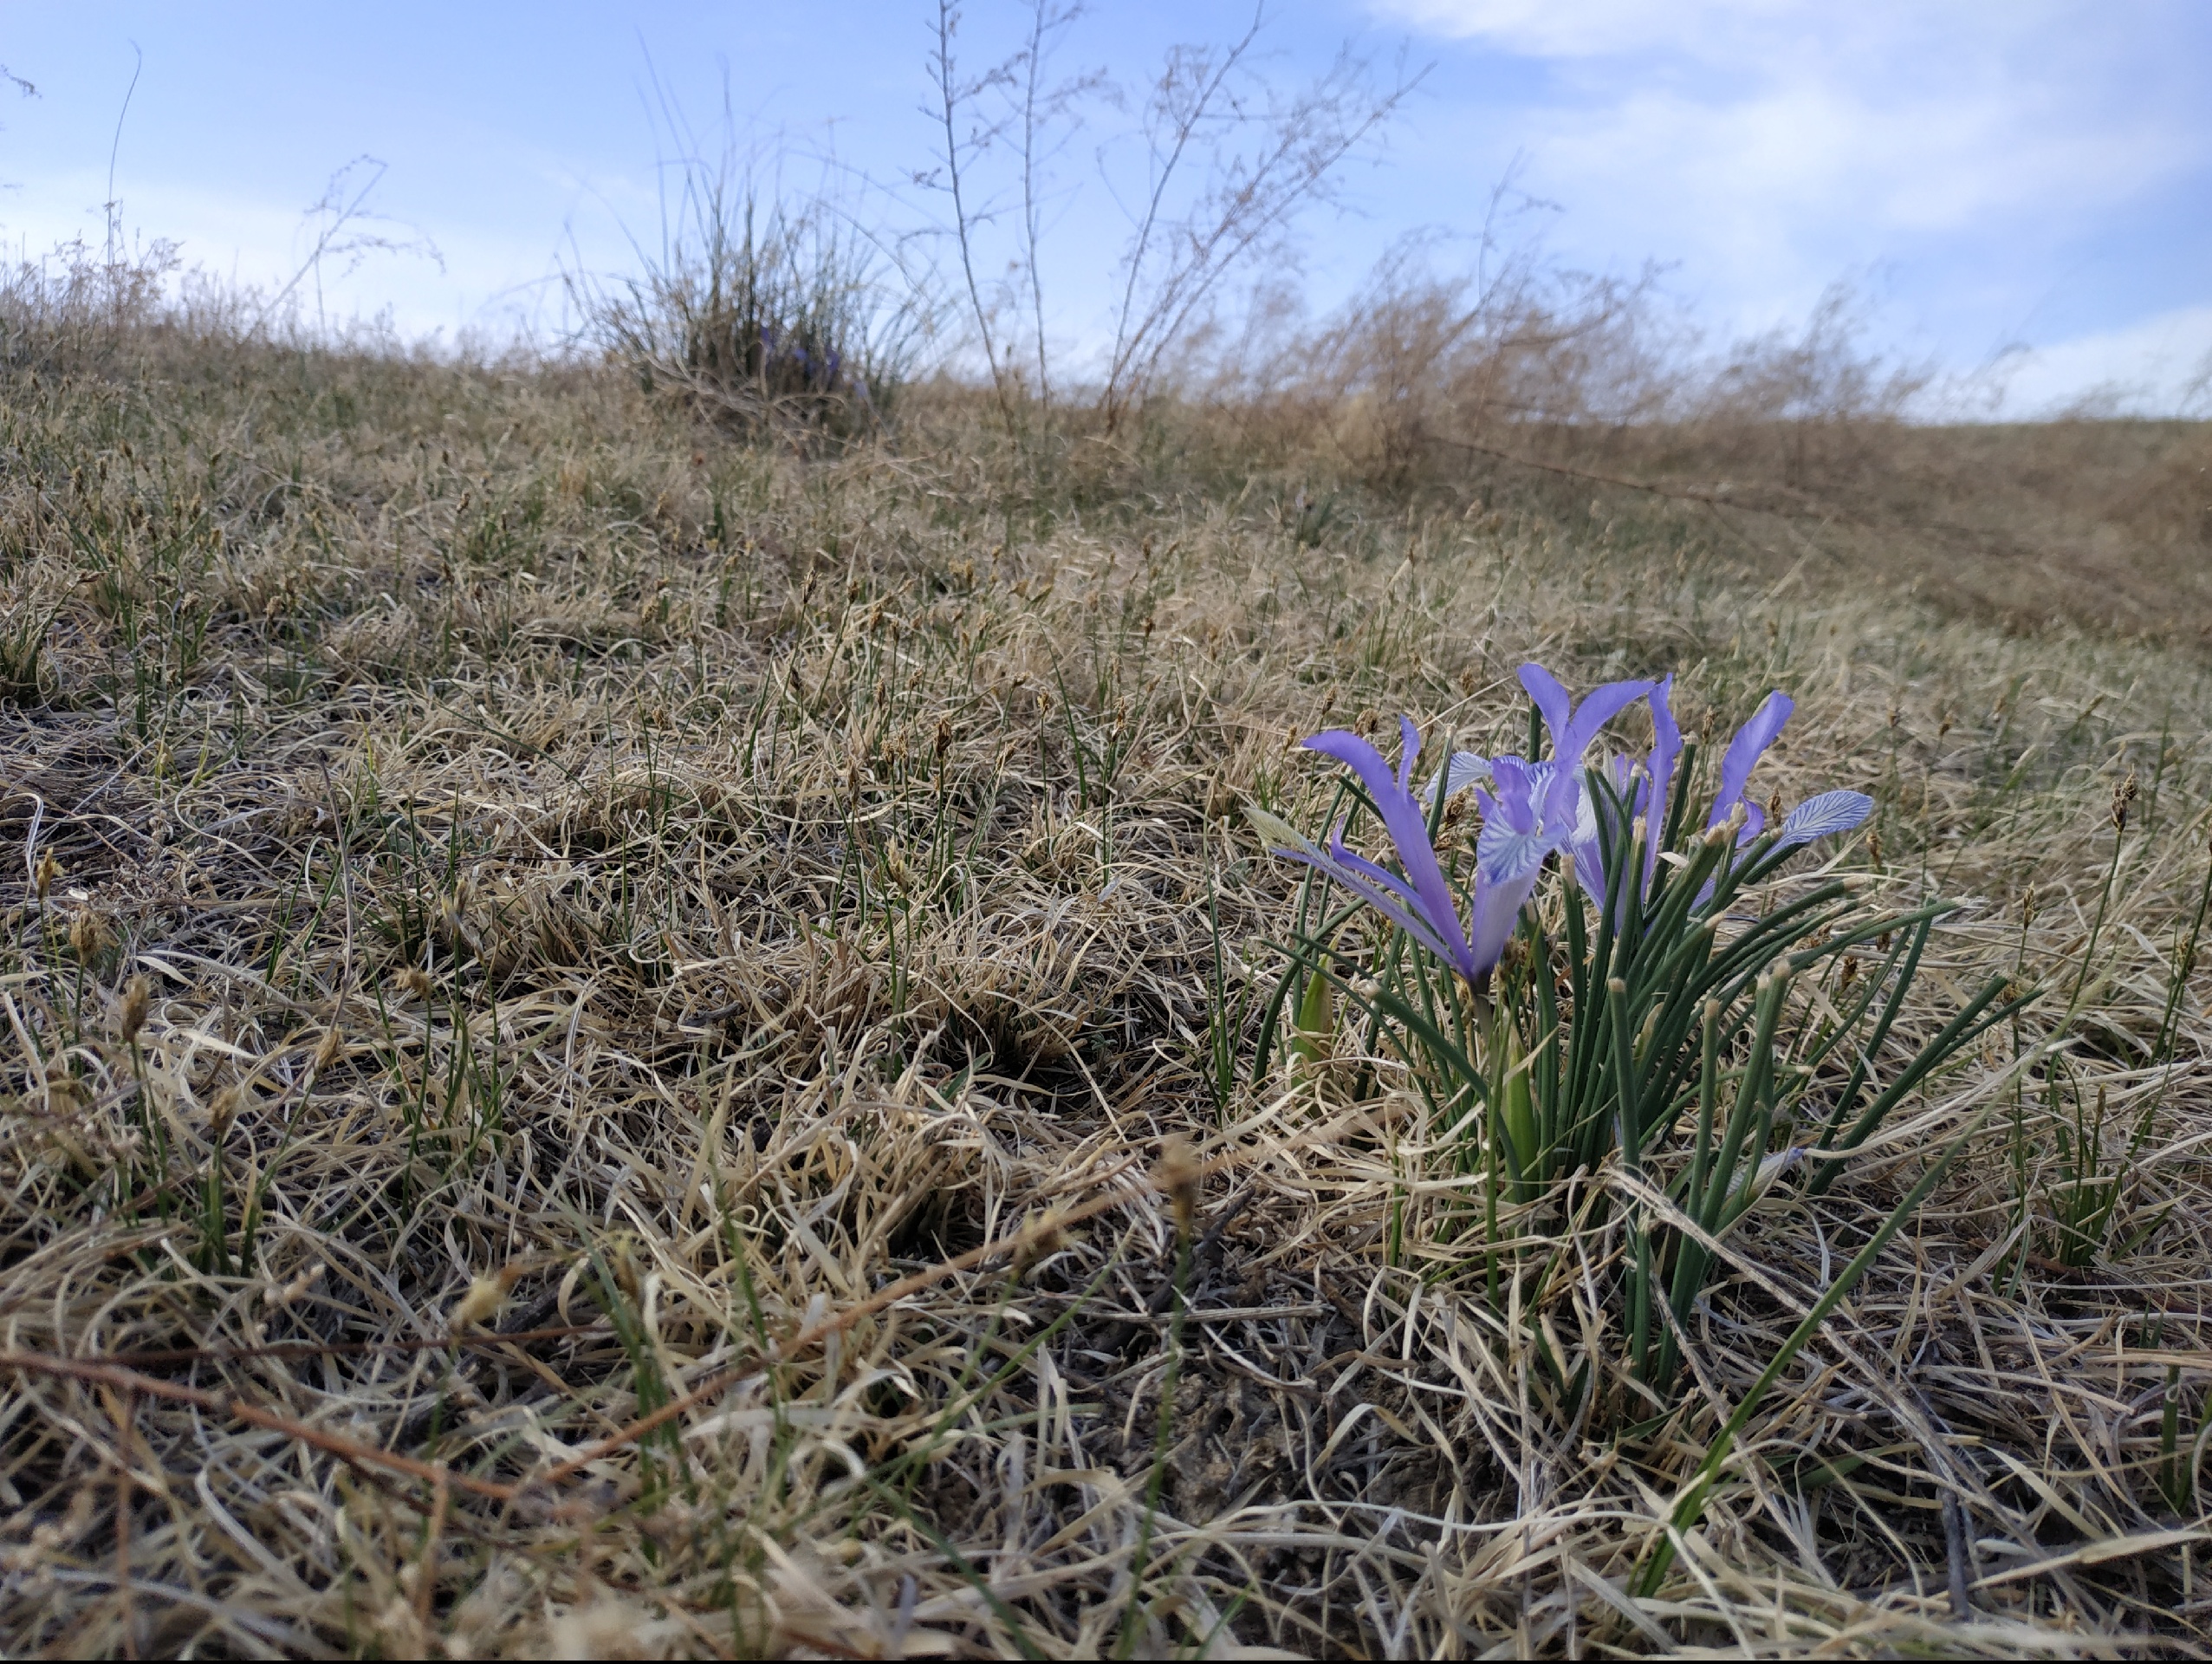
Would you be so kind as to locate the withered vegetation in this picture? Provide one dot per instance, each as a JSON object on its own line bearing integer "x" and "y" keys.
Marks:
{"x": 610, "y": 1031}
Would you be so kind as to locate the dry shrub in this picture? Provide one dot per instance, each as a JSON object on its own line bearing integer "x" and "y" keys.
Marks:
{"x": 1586, "y": 402}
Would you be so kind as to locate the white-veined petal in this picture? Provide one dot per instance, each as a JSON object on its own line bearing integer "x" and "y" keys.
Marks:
{"x": 1824, "y": 816}
{"x": 1505, "y": 856}
{"x": 1466, "y": 770}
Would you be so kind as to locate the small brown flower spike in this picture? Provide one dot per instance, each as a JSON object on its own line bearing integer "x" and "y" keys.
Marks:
{"x": 485, "y": 1297}
{"x": 138, "y": 1000}
{"x": 1177, "y": 1176}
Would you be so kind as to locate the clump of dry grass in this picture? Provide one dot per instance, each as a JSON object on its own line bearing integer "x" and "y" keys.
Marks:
{"x": 1588, "y": 402}
{"x": 612, "y": 1047}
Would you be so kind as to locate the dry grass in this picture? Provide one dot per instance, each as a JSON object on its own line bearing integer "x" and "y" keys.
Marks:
{"x": 637, "y": 924}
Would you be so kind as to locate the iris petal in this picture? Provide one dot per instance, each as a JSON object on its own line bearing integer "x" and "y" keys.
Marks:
{"x": 1408, "y": 829}
{"x": 1823, "y": 817}
{"x": 1744, "y": 752}
{"x": 1465, "y": 769}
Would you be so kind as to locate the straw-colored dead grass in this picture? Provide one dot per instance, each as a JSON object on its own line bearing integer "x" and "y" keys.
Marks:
{"x": 670, "y": 971}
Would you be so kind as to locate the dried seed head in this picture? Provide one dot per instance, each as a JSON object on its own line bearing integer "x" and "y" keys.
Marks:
{"x": 1775, "y": 811}
{"x": 1177, "y": 1176}
{"x": 1874, "y": 847}
{"x": 327, "y": 1049}
{"x": 85, "y": 938}
{"x": 44, "y": 874}
{"x": 138, "y": 999}
{"x": 298, "y": 1286}
{"x": 1850, "y": 974}
{"x": 485, "y": 1297}
{"x": 2123, "y": 796}
{"x": 223, "y": 1111}
{"x": 1044, "y": 1239}
{"x": 412, "y": 981}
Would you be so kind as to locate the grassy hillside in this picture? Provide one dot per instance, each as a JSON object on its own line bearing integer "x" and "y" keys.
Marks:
{"x": 626, "y": 1040}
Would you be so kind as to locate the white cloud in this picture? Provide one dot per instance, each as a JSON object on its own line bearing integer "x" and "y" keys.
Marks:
{"x": 1768, "y": 147}
{"x": 1587, "y": 27}
{"x": 2156, "y": 368}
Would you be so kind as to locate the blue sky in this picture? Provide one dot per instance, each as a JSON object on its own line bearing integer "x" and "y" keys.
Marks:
{"x": 1992, "y": 174}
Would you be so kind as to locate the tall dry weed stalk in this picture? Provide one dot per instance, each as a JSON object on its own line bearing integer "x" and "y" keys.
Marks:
{"x": 1223, "y": 161}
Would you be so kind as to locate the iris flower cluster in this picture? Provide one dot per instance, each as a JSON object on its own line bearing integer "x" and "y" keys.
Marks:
{"x": 1532, "y": 810}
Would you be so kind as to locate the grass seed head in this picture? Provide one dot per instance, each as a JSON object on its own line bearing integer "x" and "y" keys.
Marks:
{"x": 223, "y": 1111}
{"x": 86, "y": 937}
{"x": 138, "y": 1000}
{"x": 485, "y": 1297}
{"x": 1177, "y": 1176}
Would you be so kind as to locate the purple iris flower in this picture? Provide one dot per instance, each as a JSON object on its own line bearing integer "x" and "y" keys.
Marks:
{"x": 1744, "y": 752}
{"x": 1420, "y": 903}
{"x": 1642, "y": 791}
{"x": 1572, "y": 727}
{"x": 1821, "y": 815}
{"x": 1532, "y": 810}
{"x": 1526, "y": 818}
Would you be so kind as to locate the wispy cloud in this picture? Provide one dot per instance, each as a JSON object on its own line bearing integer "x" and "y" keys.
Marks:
{"x": 1768, "y": 146}
{"x": 2161, "y": 365}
